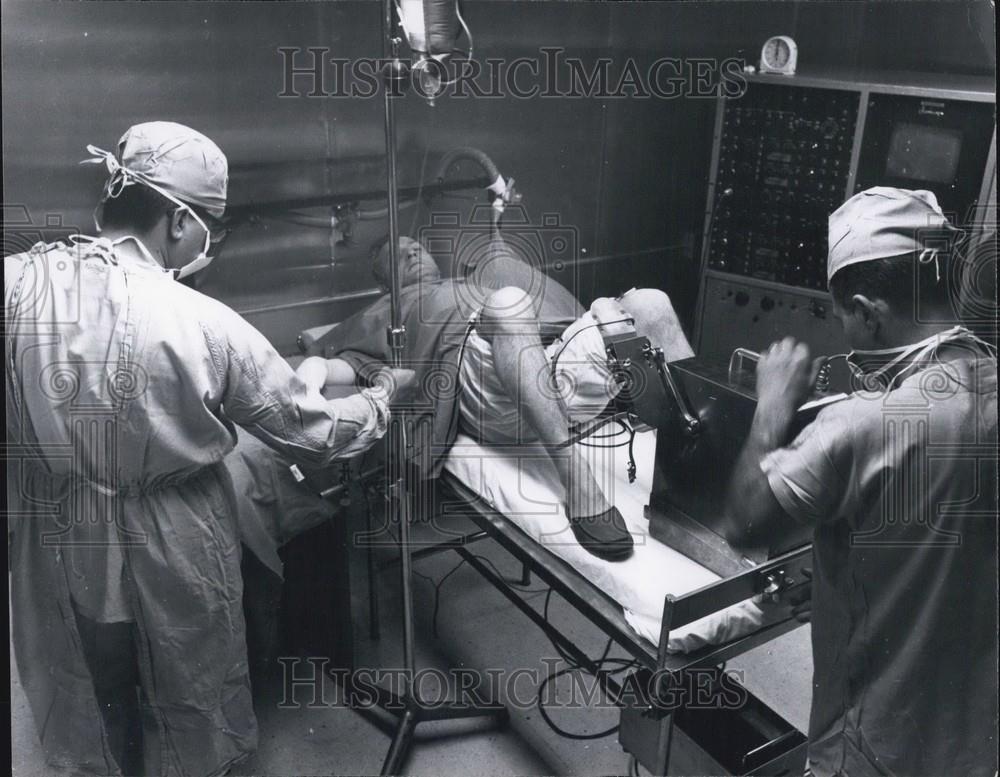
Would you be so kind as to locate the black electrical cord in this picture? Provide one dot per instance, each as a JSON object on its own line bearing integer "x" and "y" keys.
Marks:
{"x": 428, "y": 578}
{"x": 619, "y": 664}
{"x": 630, "y": 442}
{"x": 551, "y": 724}
{"x": 437, "y": 596}
{"x": 631, "y": 455}
{"x": 622, "y": 428}
{"x": 437, "y": 585}
{"x": 581, "y": 330}
{"x": 574, "y": 666}
{"x": 624, "y": 664}
{"x": 598, "y": 669}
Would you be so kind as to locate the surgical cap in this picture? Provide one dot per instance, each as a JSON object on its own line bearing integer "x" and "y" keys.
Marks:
{"x": 882, "y": 222}
{"x": 169, "y": 156}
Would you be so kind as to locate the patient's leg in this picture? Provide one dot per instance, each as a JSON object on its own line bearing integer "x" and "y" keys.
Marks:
{"x": 655, "y": 318}
{"x": 508, "y": 322}
{"x": 652, "y": 316}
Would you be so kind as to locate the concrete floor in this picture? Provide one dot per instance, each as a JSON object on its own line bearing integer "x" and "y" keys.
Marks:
{"x": 476, "y": 628}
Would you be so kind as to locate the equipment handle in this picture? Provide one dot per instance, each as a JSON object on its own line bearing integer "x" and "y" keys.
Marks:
{"x": 736, "y": 360}
{"x": 822, "y": 385}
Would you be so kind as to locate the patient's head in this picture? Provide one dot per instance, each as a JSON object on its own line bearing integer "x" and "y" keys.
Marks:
{"x": 416, "y": 265}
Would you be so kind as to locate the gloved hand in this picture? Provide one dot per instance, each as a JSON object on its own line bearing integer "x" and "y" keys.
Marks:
{"x": 312, "y": 372}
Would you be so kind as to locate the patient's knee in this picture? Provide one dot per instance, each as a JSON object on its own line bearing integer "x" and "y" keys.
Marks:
{"x": 655, "y": 318}
{"x": 647, "y": 303}
{"x": 509, "y": 310}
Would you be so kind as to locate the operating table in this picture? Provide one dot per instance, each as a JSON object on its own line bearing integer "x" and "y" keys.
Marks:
{"x": 707, "y": 613}
{"x": 679, "y": 606}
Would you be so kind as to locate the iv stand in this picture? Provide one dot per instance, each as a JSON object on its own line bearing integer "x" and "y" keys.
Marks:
{"x": 406, "y": 706}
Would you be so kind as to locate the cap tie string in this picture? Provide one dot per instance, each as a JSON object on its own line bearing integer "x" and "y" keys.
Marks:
{"x": 929, "y": 255}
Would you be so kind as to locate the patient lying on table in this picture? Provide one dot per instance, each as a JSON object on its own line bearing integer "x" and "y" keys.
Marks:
{"x": 447, "y": 352}
{"x": 506, "y": 356}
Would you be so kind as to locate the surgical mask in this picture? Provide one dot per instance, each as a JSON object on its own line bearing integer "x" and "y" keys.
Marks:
{"x": 201, "y": 261}
{"x": 880, "y": 369}
{"x": 122, "y": 177}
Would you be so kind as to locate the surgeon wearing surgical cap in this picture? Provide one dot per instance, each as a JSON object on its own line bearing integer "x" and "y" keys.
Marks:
{"x": 178, "y": 163}
{"x": 898, "y": 482}
{"x": 127, "y": 388}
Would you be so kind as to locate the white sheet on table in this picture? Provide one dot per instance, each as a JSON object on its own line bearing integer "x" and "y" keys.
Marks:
{"x": 524, "y": 488}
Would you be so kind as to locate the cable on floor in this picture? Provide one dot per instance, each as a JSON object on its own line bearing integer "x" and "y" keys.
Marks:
{"x": 620, "y": 665}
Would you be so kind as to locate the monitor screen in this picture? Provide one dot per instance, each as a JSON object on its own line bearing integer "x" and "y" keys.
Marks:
{"x": 921, "y": 153}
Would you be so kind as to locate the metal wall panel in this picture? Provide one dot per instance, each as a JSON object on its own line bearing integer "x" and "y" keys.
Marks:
{"x": 628, "y": 175}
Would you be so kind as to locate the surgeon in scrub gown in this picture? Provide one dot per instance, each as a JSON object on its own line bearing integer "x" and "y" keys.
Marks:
{"x": 124, "y": 387}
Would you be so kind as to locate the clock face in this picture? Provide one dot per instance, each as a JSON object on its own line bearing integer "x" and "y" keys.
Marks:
{"x": 776, "y": 53}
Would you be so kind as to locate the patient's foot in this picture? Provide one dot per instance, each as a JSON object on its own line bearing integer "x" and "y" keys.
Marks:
{"x": 596, "y": 524}
{"x": 603, "y": 535}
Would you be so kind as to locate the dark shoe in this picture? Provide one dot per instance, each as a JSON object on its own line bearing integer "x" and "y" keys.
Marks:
{"x": 603, "y": 535}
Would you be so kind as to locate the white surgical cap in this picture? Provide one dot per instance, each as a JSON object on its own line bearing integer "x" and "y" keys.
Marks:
{"x": 171, "y": 157}
{"x": 882, "y": 222}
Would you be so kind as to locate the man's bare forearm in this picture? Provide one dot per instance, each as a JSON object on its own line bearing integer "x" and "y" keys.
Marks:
{"x": 785, "y": 376}
{"x": 751, "y": 509}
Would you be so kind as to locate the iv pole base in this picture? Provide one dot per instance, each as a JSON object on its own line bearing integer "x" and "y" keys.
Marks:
{"x": 410, "y": 713}
{"x": 415, "y": 714}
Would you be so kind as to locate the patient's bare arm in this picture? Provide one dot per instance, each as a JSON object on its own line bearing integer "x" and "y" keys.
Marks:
{"x": 340, "y": 373}
{"x": 319, "y": 373}
{"x": 508, "y": 322}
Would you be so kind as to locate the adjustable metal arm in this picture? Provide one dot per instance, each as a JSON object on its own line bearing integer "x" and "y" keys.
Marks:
{"x": 690, "y": 423}
{"x": 648, "y": 385}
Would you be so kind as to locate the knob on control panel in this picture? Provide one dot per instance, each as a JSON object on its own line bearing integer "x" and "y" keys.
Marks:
{"x": 741, "y": 298}
{"x": 817, "y": 309}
